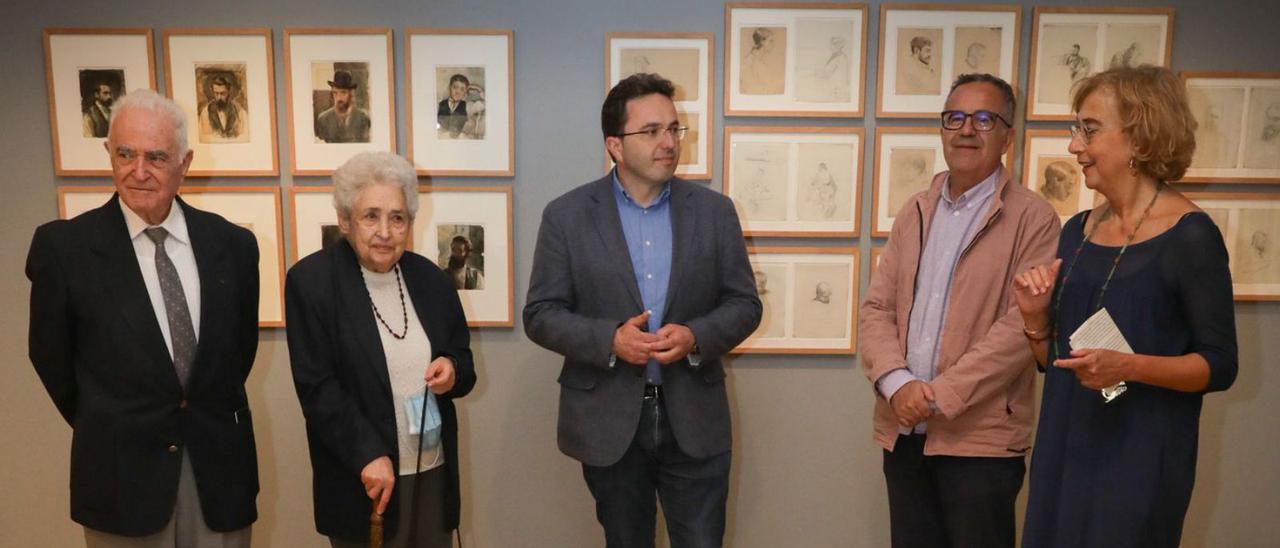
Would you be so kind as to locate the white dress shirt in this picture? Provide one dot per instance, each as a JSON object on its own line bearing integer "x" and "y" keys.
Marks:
{"x": 178, "y": 247}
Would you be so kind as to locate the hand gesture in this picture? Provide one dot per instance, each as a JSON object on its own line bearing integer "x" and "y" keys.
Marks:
{"x": 911, "y": 403}
{"x": 1032, "y": 289}
{"x": 675, "y": 342}
{"x": 440, "y": 375}
{"x": 1096, "y": 368}
{"x": 631, "y": 343}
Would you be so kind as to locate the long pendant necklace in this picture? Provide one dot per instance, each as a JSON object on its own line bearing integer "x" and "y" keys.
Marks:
{"x": 404, "y": 310}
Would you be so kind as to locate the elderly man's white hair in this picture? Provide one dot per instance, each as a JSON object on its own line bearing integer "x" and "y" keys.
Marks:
{"x": 369, "y": 168}
{"x": 150, "y": 101}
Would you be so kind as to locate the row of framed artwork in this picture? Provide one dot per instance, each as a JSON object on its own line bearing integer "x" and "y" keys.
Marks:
{"x": 339, "y": 95}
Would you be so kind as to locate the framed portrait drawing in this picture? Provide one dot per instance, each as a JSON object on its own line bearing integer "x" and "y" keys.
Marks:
{"x": 224, "y": 80}
{"x": 1069, "y": 44}
{"x": 685, "y": 59}
{"x": 923, "y": 48}
{"x": 87, "y": 70}
{"x": 315, "y": 221}
{"x": 340, "y": 96}
{"x": 794, "y": 59}
{"x": 795, "y": 181}
{"x": 1250, "y": 225}
{"x": 1051, "y": 171}
{"x": 467, "y": 231}
{"x": 461, "y": 99}
{"x": 254, "y": 208}
{"x": 810, "y": 298}
{"x": 1238, "y": 138}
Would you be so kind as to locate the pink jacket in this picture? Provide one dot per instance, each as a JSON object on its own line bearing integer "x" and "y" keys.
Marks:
{"x": 986, "y": 375}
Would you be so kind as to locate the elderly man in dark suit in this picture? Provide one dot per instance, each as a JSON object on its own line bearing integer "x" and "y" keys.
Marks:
{"x": 641, "y": 281}
{"x": 144, "y": 318}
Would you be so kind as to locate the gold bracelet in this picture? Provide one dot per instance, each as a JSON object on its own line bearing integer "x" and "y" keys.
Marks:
{"x": 1038, "y": 334}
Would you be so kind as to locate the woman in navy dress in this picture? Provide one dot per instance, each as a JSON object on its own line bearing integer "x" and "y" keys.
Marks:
{"x": 1120, "y": 473}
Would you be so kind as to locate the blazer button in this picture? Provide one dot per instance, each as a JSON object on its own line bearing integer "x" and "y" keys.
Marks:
{"x": 173, "y": 448}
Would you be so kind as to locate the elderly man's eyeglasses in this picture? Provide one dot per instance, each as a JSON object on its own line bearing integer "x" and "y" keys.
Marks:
{"x": 653, "y": 133}
{"x": 124, "y": 156}
{"x": 1083, "y": 132}
{"x": 983, "y": 120}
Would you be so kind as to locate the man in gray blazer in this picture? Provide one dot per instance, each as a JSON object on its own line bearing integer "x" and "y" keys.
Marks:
{"x": 641, "y": 281}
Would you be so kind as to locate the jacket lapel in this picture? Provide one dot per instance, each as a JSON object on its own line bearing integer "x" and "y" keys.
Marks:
{"x": 353, "y": 302}
{"x": 210, "y": 253}
{"x": 608, "y": 225}
{"x": 682, "y": 216}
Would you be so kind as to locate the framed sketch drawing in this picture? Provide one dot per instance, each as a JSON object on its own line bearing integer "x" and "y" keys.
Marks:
{"x": 794, "y": 59}
{"x": 461, "y": 100}
{"x": 1050, "y": 170}
{"x": 467, "y": 231}
{"x": 224, "y": 80}
{"x": 923, "y": 48}
{"x": 1238, "y": 138}
{"x": 794, "y": 181}
{"x": 315, "y": 221}
{"x": 87, "y": 70}
{"x": 254, "y": 208}
{"x": 1250, "y": 225}
{"x": 340, "y": 96}
{"x": 1068, "y": 44}
{"x": 810, "y": 298}
{"x": 685, "y": 59}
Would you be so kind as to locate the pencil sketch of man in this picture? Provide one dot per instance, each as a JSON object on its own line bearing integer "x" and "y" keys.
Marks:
{"x": 222, "y": 119}
{"x": 1078, "y": 65}
{"x": 344, "y": 122}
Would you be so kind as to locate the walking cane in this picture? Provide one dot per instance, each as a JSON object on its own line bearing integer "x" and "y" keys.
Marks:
{"x": 375, "y": 527}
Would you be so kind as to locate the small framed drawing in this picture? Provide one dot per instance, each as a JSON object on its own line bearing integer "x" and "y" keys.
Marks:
{"x": 1250, "y": 225}
{"x": 923, "y": 48}
{"x": 794, "y": 181}
{"x": 794, "y": 59}
{"x": 87, "y": 70}
{"x": 685, "y": 59}
{"x": 254, "y": 208}
{"x": 1238, "y": 138}
{"x": 224, "y": 80}
{"x": 461, "y": 99}
{"x": 340, "y": 96}
{"x": 1050, "y": 170}
{"x": 315, "y": 221}
{"x": 467, "y": 231}
{"x": 810, "y": 298}
{"x": 1068, "y": 44}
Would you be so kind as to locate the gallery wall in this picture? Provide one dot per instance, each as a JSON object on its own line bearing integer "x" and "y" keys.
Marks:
{"x": 805, "y": 470}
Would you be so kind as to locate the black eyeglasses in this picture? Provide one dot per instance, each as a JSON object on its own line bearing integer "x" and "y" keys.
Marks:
{"x": 983, "y": 120}
{"x": 653, "y": 133}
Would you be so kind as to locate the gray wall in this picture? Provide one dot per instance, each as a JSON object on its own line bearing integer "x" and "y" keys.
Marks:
{"x": 805, "y": 471}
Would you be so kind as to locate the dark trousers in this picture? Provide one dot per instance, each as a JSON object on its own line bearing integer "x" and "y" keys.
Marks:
{"x": 693, "y": 491}
{"x": 939, "y": 501}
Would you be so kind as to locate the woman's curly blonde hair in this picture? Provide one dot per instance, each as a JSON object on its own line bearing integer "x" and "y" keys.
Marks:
{"x": 1154, "y": 115}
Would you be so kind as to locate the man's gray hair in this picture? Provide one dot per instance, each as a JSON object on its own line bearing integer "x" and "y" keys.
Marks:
{"x": 373, "y": 167}
{"x": 150, "y": 101}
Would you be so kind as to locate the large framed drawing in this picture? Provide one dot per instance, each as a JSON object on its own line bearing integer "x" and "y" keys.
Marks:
{"x": 1250, "y": 225}
{"x": 795, "y": 181}
{"x": 794, "y": 59}
{"x": 923, "y": 48}
{"x": 340, "y": 96}
{"x": 1068, "y": 44}
{"x": 254, "y": 208}
{"x": 1050, "y": 170}
{"x": 810, "y": 298}
{"x": 224, "y": 80}
{"x": 467, "y": 231}
{"x": 1238, "y": 138}
{"x": 461, "y": 99}
{"x": 315, "y": 221}
{"x": 87, "y": 70}
{"x": 685, "y": 59}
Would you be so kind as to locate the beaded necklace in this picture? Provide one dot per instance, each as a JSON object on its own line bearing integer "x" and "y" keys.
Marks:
{"x": 404, "y": 310}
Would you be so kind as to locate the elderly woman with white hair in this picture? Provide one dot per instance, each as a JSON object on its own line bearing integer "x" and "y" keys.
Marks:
{"x": 379, "y": 348}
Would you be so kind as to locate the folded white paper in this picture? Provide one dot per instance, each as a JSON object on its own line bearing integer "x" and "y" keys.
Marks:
{"x": 1101, "y": 331}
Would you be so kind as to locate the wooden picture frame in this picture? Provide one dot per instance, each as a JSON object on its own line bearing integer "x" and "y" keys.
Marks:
{"x": 1070, "y": 43}
{"x": 239, "y": 138}
{"x": 1250, "y": 225}
{"x": 1054, "y": 174}
{"x": 796, "y": 60}
{"x": 1238, "y": 138}
{"x": 795, "y": 181}
{"x": 482, "y": 142}
{"x": 913, "y": 82}
{"x": 81, "y": 65}
{"x": 254, "y": 207}
{"x": 687, "y": 59}
{"x": 314, "y": 220}
{"x": 316, "y": 60}
{"x": 483, "y": 216}
{"x": 816, "y": 310}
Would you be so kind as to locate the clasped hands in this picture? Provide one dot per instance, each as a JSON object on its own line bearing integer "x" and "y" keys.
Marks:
{"x": 913, "y": 403}
{"x": 632, "y": 344}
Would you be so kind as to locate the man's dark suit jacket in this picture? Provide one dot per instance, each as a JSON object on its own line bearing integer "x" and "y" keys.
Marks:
{"x": 451, "y": 120}
{"x": 583, "y": 287}
{"x": 97, "y": 346}
{"x": 340, "y": 372}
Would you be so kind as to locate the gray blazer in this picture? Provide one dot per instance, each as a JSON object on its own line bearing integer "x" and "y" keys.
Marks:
{"x": 583, "y": 287}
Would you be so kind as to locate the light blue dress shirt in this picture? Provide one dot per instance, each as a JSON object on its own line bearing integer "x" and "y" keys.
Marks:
{"x": 648, "y": 234}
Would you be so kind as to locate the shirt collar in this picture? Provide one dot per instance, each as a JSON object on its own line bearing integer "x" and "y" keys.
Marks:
{"x": 622, "y": 192}
{"x": 175, "y": 223}
{"x": 978, "y": 193}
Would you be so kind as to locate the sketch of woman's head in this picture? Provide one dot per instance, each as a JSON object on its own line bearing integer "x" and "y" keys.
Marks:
{"x": 822, "y": 293}
{"x": 1059, "y": 179}
{"x": 762, "y": 281}
{"x": 761, "y": 39}
{"x": 1260, "y": 243}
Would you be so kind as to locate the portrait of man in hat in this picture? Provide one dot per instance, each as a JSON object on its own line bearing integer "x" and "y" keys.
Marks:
{"x": 223, "y": 116}
{"x": 343, "y": 121}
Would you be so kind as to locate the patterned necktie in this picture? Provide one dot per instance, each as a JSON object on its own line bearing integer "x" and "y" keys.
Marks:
{"x": 175, "y": 307}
